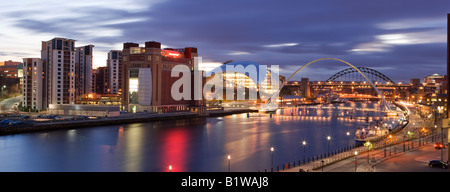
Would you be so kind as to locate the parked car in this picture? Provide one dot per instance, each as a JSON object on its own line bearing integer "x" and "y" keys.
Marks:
{"x": 58, "y": 118}
{"x": 4, "y": 121}
{"x": 439, "y": 145}
{"x": 16, "y": 122}
{"x": 438, "y": 163}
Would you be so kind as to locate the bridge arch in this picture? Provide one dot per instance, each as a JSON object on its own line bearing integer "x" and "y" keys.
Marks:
{"x": 365, "y": 70}
{"x": 270, "y": 105}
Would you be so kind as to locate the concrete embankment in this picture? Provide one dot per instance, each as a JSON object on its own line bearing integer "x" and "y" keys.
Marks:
{"x": 36, "y": 126}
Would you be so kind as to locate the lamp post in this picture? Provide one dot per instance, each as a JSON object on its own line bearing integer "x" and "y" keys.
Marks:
{"x": 322, "y": 164}
{"x": 170, "y": 168}
{"x": 229, "y": 162}
{"x": 304, "y": 151}
{"x": 328, "y": 138}
{"x": 356, "y": 159}
{"x": 348, "y": 138}
{"x": 390, "y": 145}
{"x": 369, "y": 146}
{"x": 271, "y": 151}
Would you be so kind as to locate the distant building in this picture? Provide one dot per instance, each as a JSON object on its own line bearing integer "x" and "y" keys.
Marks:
{"x": 10, "y": 77}
{"x": 415, "y": 83}
{"x": 9, "y": 63}
{"x": 83, "y": 70}
{"x": 58, "y": 55}
{"x": 146, "y": 76}
{"x": 33, "y": 84}
{"x": 100, "y": 80}
{"x": 9, "y": 69}
{"x": 61, "y": 73}
{"x": 114, "y": 68}
{"x": 434, "y": 79}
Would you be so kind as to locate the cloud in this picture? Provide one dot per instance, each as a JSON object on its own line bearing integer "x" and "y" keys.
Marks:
{"x": 386, "y": 34}
{"x": 239, "y": 53}
{"x": 281, "y": 45}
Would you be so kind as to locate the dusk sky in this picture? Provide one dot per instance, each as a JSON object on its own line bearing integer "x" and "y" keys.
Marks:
{"x": 402, "y": 39}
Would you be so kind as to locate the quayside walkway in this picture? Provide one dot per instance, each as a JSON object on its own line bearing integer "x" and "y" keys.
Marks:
{"x": 411, "y": 137}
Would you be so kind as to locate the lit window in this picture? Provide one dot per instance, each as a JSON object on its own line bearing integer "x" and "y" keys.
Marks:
{"x": 135, "y": 50}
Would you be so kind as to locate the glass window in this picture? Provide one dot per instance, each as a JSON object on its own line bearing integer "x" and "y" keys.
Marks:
{"x": 135, "y": 50}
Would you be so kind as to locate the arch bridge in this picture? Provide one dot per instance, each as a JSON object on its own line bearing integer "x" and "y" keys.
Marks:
{"x": 350, "y": 77}
{"x": 271, "y": 105}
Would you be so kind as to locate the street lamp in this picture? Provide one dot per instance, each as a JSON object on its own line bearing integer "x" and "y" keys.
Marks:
{"x": 271, "y": 151}
{"x": 328, "y": 138}
{"x": 322, "y": 164}
{"x": 170, "y": 168}
{"x": 348, "y": 138}
{"x": 356, "y": 159}
{"x": 369, "y": 146}
{"x": 229, "y": 162}
{"x": 304, "y": 152}
{"x": 390, "y": 145}
{"x": 410, "y": 134}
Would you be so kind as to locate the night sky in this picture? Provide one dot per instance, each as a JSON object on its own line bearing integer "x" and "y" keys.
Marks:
{"x": 402, "y": 39}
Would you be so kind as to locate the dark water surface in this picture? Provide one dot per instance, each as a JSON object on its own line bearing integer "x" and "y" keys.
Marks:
{"x": 199, "y": 145}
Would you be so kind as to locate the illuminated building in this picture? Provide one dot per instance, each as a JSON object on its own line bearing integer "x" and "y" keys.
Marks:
{"x": 114, "y": 67}
{"x": 237, "y": 76}
{"x": 58, "y": 55}
{"x": 33, "y": 84}
{"x": 146, "y": 80}
{"x": 66, "y": 71}
{"x": 100, "y": 80}
{"x": 10, "y": 77}
{"x": 434, "y": 79}
{"x": 8, "y": 69}
{"x": 83, "y": 70}
{"x": 100, "y": 99}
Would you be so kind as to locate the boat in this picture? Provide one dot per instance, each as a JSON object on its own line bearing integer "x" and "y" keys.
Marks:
{"x": 368, "y": 131}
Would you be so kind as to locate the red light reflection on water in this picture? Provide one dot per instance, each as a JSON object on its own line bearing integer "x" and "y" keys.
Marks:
{"x": 174, "y": 147}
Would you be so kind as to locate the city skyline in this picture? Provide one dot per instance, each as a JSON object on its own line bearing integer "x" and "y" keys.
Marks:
{"x": 403, "y": 39}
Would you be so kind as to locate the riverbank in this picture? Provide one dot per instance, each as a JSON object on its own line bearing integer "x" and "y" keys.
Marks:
{"x": 33, "y": 125}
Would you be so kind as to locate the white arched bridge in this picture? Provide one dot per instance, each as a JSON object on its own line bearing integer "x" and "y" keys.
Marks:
{"x": 271, "y": 105}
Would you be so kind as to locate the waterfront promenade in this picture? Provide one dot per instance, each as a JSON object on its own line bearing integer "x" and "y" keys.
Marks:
{"x": 413, "y": 152}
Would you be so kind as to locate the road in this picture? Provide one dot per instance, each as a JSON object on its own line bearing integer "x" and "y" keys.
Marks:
{"x": 413, "y": 161}
{"x": 7, "y": 105}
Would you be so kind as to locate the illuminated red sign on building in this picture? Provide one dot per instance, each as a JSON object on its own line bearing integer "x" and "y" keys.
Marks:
{"x": 170, "y": 53}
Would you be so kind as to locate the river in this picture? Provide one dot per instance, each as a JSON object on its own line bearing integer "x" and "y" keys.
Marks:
{"x": 197, "y": 145}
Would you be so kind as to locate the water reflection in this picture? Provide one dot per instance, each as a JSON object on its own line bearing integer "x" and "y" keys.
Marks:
{"x": 187, "y": 145}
